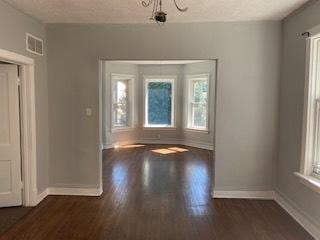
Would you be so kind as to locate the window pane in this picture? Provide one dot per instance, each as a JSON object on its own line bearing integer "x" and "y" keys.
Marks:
{"x": 121, "y": 103}
{"x": 200, "y": 116}
{"x": 159, "y": 103}
{"x": 316, "y": 164}
{"x": 121, "y": 115}
{"x": 199, "y": 111}
{"x": 200, "y": 91}
{"x": 121, "y": 91}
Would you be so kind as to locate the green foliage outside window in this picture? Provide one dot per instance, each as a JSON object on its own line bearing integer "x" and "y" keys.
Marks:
{"x": 159, "y": 103}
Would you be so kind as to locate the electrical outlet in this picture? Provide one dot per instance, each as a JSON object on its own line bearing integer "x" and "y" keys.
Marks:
{"x": 88, "y": 111}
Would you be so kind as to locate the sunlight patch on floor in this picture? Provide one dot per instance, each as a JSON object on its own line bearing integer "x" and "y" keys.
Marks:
{"x": 169, "y": 150}
{"x": 128, "y": 146}
{"x": 163, "y": 151}
{"x": 178, "y": 149}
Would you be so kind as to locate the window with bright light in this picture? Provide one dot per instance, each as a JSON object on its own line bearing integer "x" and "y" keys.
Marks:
{"x": 316, "y": 161}
{"x": 198, "y": 101}
{"x": 310, "y": 165}
{"x": 159, "y": 102}
{"x": 122, "y": 101}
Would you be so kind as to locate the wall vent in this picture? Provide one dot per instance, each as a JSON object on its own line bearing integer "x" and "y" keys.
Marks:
{"x": 34, "y": 44}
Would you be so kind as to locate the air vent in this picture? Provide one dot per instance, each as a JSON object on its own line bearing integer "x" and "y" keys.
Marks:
{"x": 34, "y": 44}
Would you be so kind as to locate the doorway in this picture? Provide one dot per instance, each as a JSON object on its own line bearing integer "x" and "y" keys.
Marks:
{"x": 161, "y": 102}
{"x": 10, "y": 141}
{"x": 24, "y": 140}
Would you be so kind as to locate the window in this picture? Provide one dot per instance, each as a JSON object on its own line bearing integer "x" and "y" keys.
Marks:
{"x": 122, "y": 101}
{"x": 310, "y": 162}
{"x": 159, "y": 102}
{"x": 312, "y": 117}
{"x": 316, "y": 161}
{"x": 198, "y": 90}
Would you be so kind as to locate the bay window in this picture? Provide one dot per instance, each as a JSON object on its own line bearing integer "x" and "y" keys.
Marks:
{"x": 310, "y": 161}
{"x": 122, "y": 101}
{"x": 198, "y": 99}
{"x": 159, "y": 101}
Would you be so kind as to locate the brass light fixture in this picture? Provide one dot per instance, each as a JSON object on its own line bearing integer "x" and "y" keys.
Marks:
{"x": 158, "y": 14}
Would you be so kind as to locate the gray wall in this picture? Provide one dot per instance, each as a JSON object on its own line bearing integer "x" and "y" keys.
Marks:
{"x": 13, "y": 27}
{"x": 291, "y": 110}
{"x": 247, "y": 101}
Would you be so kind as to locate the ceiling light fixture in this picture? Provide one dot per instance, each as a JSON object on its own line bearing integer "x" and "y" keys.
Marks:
{"x": 158, "y": 14}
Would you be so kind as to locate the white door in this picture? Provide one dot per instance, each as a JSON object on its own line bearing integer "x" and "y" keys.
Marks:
{"x": 10, "y": 155}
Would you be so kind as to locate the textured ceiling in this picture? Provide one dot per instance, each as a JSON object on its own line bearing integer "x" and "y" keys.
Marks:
{"x": 131, "y": 11}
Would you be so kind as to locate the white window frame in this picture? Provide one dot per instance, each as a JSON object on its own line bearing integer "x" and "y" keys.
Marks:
{"x": 190, "y": 79}
{"x": 311, "y": 116}
{"x": 123, "y": 77}
{"x": 164, "y": 78}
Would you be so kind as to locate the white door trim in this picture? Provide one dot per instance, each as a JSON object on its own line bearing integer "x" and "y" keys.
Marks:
{"x": 28, "y": 120}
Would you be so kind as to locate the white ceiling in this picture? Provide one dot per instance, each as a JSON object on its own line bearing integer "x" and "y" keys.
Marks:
{"x": 131, "y": 11}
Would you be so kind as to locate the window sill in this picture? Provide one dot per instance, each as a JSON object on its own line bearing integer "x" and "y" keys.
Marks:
{"x": 123, "y": 129}
{"x": 309, "y": 181}
{"x": 150, "y": 128}
{"x": 196, "y": 130}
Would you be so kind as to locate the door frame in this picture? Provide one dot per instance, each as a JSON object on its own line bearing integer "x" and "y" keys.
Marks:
{"x": 28, "y": 125}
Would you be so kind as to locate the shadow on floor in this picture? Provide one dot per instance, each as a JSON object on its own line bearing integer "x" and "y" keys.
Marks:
{"x": 11, "y": 215}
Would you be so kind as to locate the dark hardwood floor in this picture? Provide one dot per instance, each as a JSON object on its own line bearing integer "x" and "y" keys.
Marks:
{"x": 11, "y": 215}
{"x": 156, "y": 193}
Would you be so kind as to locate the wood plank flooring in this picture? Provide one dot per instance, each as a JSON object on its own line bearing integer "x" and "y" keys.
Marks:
{"x": 11, "y": 215}
{"x": 156, "y": 192}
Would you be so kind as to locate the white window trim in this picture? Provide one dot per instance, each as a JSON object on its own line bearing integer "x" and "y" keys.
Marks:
{"x": 131, "y": 78}
{"x": 192, "y": 77}
{"x": 309, "y": 119}
{"x": 161, "y": 78}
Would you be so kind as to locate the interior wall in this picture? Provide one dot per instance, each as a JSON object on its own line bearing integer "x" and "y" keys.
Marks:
{"x": 248, "y": 56}
{"x": 13, "y": 27}
{"x": 291, "y": 111}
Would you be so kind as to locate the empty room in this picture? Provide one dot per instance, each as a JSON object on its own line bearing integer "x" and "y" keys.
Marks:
{"x": 159, "y": 119}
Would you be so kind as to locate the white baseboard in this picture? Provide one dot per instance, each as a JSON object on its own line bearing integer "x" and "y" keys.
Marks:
{"x": 42, "y": 196}
{"x": 75, "y": 191}
{"x": 198, "y": 145}
{"x": 94, "y": 192}
{"x": 159, "y": 141}
{"x": 308, "y": 224}
{"x": 108, "y": 146}
{"x": 244, "y": 194}
{"x": 112, "y": 145}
